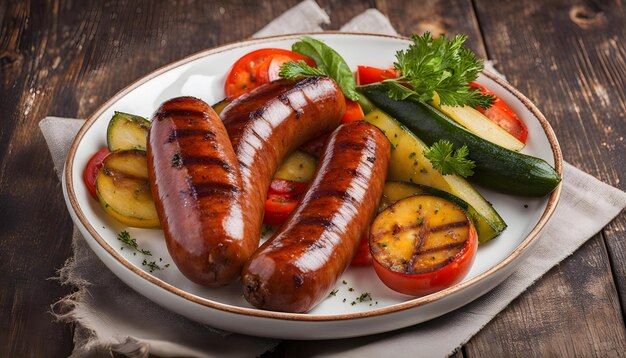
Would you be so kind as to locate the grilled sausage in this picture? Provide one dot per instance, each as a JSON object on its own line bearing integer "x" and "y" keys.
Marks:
{"x": 195, "y": 180}
{"x": 268, "y": 123}
{"x": 300, "y": 264}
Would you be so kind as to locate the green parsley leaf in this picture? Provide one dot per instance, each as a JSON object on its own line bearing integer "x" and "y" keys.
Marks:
{"x": 439, "y": 65}
{"x": 294, "y": 70}
{"x": 329, "y": 62}
{"x": 448, "y": 161}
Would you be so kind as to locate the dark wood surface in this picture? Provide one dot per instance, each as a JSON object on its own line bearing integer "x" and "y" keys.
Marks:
{"x": 65, "y": 58}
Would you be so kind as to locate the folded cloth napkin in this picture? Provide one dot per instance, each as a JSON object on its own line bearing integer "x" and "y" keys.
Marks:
{"x": 110, "y": 317}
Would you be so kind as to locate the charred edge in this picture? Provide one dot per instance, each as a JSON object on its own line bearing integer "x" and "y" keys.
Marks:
{"x": 298, "y": 280}
{"x": 307, "y": 82}
{"x": 183, "y": 133}
{"x": 371, "y": 159}
{"x": 180, "y": 113}
{"x": 203, "y": 160}
{"x": 334, "y": 193}
{"x": 452, "y": 245}
{"x": 177, "y": 160}
{"x": 284, "y": 99}
{"x": 449, "y": 226}
{"x": 315, "y": 220}
{"x": 350, "y": 145}
{"x": 353, "y": 173}
{"x": 201, "y": 190}
{"x": 258, "y": 113}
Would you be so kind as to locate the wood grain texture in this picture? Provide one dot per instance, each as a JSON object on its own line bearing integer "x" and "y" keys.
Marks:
{"x": 566, "y": 57}
{"x": 66, "y": 58}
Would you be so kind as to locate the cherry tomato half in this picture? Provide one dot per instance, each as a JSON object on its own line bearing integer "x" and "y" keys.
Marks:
{"x": 502, "y": 115}
{"x": 287, "y": 187}
{"x": 366, "y": 74}
{"x": 282, "y": 198}
{"x": 91, "y": 170}
{"x": 257, "y": 68}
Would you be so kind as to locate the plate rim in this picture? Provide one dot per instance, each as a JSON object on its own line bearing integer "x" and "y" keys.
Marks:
{"x": 525, "y": 244}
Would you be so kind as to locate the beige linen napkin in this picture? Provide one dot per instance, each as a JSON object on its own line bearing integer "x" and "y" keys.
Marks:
{"x": 111, "y": 317}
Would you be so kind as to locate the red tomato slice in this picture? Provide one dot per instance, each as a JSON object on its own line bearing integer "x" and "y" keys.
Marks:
{"x": 363, "y": 257}
{"x": 353, "y": 112}
{"x": 502, "y": 115}
{"x": 366, "y": 75}
{"x": 287, "y": 187}
{"x": 91, "y": 170}
{"x": 282, "y": 199}
{"x": 278, "y": 208}
{"x": 257, "y": 68}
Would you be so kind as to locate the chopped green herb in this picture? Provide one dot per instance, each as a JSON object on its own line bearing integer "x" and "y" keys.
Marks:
{"x": 364, "y": 297}
{"x": 151, "y": 265}
{"x": 334, "y": 293}
{"x": 344, "y": 282}
{"x": 353, "y": 303}
{"x": 351, "y": 289}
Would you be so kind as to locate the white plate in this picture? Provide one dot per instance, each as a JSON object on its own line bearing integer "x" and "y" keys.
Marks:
{"x": 202, "y": 75}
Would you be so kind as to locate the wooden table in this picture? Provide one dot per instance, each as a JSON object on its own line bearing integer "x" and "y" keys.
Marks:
{"x": 65, "y": 58}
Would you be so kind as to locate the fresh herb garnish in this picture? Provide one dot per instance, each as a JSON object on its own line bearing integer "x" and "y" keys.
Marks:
{"x": 152, "y": 266}
{"x": 334, "y": 293}
{"x": 439, "y": 65}
{"x": 449, "y": 161}
{"x": 364, "y": 297}
{"x": 124, "y": 237}
{"x": 328, "y": 62}
{"x": 299, "y": 69}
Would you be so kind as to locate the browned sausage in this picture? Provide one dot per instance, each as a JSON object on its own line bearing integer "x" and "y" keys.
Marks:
{"x": 297, "y": 268}
{"x": 268, "y": 123}
{"x": 195, "y": 180}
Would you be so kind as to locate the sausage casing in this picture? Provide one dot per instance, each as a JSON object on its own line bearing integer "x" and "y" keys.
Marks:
{"x": 300, "y": 264}
{"x": 270, "y": 122}
{"x": 195, "y": 180}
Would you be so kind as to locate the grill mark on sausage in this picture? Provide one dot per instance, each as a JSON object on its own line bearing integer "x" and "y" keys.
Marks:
{"x": 199, "y": 190}
{"x": 206, "y": 134}
{"x": 323, "y": 193}
{"x": 315, "y": 220}
{"x": 206, "y": 160}
{"x": 180, "y": 113}
{"x": 350, "y": 145}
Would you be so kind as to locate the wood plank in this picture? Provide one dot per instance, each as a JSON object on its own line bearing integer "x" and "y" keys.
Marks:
{"x": 64, "y": 58}
{"x": 575, "y": 49}
{"x": 450, "y": 17}
{"x": 569, "y": 313}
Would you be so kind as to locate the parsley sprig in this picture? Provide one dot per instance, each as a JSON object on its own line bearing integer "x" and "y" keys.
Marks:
{"x": 449, "y": 161}
{"x": 299, "y": 69}
{"x": 439, "y": 65}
